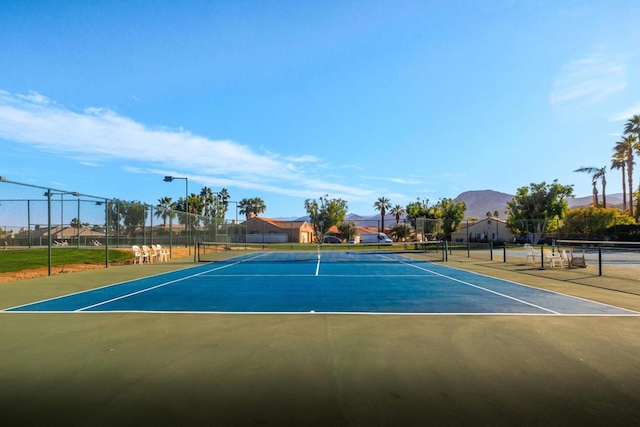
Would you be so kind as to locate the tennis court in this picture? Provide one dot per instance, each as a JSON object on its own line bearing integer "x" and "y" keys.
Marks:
{"x": 394, "y": 340}
{"x": 309, "y": 282}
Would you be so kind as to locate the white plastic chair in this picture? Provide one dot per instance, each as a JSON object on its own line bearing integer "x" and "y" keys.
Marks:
{"x": 157, "y": 252}
{"x": 530, "y": 254}
{"x": 564, "y": 259}
{"x": 578, "y": 261}
{"x": 148, "y": 254}
{"x": 138, "y": 255}
{"x": 164, "y": 253}
{"x": 552, "y": 260}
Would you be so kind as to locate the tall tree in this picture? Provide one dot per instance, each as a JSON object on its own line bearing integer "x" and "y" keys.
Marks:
{"x": 452, "y": 213}
{"x": 632, "y": 126}
{"x": 419, "y": 209}
{"x": 397, "y": 211}
{"x": 258, "y": 206}
{"x": 244, "y": 207}
{"x": 251, "y": 206}
{"x": 531, "y": 209}
{"x": 597, "y": 174}
{"x": 632, "y": 129}
{"x": 382, "y": 204}
{"x": 196, "y": 210}
{"x": 208, "y": 202}
{"x": 326, "y": 214}
{"x": 630, "y": 143}
{"x": 164, "y": 210}
{"x": 223, "y": 197}
{"x": 619, "y": 161}
{"x": 133, "y": 215}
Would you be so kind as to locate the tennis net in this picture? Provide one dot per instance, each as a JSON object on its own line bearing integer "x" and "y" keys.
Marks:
{"x": 293, "y": 252}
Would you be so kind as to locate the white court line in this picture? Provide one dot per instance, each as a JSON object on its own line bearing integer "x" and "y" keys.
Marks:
{"x": 321, "y": 313}
{"x": 324, "y": 275}
{"x": 318, "y": 265}
{"x": 94, "y": 289}
{"x": 482, "y": 288}
{"x": 546, "y": 290}
{"x": 153, "y": 287}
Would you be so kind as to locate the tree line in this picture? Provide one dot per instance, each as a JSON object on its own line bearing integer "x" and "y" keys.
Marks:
{"x": 623, "y": 159}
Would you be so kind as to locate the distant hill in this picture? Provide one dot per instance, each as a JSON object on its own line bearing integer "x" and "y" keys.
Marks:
{"x": 613, "y": 200}
{"x": 482, "y": 201}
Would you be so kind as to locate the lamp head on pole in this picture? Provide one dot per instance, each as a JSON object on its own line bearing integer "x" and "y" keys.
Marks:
{"x": 168, "y": 179}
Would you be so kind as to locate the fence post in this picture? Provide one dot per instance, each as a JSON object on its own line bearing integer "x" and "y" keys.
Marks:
{"x": 599, "y": 261}
{"x": 106, "y": 234}
{"x": 49, "y": 242}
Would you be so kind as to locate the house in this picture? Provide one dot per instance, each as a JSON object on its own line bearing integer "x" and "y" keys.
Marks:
{"x": 268, "y": 230}
{"x": 72, "y": 235}
{"x": 490, "y": 229}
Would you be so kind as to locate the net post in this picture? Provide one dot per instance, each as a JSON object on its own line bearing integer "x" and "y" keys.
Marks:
{"x": 504, "y": 252}
{"x": 599, "y": 260}
{"x": 491, "y": 251}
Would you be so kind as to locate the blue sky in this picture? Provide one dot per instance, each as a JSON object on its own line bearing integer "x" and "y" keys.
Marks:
{"x": 289, "y": 100}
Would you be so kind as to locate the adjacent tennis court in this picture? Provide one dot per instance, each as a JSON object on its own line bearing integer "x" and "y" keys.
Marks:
{"x": 309, "y": 282}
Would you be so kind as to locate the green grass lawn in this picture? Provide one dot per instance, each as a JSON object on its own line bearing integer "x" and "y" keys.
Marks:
{"x": 22, "y": 259}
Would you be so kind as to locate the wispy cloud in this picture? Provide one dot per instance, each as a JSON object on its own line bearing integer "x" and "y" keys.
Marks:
{"x": 624, "y": 115}
{"x": 404, "y": 181}
{"x": 96, "y": 135}
{"x": 589, "y": 80}
{"x": 34, "y": 97}
{"x": 396, "y": 180}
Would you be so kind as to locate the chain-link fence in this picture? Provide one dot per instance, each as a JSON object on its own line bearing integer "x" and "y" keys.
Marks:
{"x": 590, "y": 259}
{"x": 580, "y": 226}
{"x": 35, "y": 217}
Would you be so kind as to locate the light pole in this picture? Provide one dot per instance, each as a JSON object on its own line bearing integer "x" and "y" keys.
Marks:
{"x": 186, "y": 201}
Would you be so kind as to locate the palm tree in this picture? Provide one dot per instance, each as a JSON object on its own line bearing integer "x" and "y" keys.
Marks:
{"x": 597, "y": 174}
{"x": 630, "y": 144}
{"x": 251, "y": 206}
{"x": 164, "y": 210}
{"x": 196, "y": 206}
{"x": 382, "y": 204}
{"x": 632, "y": 128}
{"x": 619, "y": 161}
{"x": 258, "y": 206}
{"x": 397, "y": 211}
{"x": 224, "y": 197}
{"x": 244, "y": 207}
{"x": 207, "y": 201}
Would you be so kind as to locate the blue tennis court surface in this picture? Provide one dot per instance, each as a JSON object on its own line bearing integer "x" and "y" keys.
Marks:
{"x": 243, "y": 285}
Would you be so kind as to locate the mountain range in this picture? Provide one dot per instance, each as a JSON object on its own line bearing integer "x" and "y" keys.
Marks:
{"x": 483, "y": 201}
